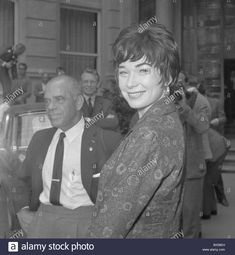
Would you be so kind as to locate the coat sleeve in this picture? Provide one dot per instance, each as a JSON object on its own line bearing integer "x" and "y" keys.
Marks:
{"x": 132, "y": 176}
{"x": 221, "y": 114}
{"x": 197, "y": 118}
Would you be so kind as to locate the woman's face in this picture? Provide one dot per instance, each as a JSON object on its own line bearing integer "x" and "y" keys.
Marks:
{"x": 140, "y": 84}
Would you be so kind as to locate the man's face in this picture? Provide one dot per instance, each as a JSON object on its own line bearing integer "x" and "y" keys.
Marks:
{"x": 21, "y": 70}
{"x": 139, "y": 83}
{"x": 61, "y": 106}
{"x": 89, "y": 84}
{"x": 45, "y": 78}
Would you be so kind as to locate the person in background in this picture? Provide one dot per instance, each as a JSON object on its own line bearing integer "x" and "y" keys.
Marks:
{"x": 8, "y": 62}
{"x": 141, "y": 185}
{"x": 39, "y": 88}
{"x": 4, "y": 106}
{"x": 24, "y": 82}
{"x": 217, "y": 122}
{"x": 213, "y": 182}
{"x": 94, "y": 105}
{"x": 194, "y": 112}
{"x": 62, "y": 166}
{"x": 60, "y": 70}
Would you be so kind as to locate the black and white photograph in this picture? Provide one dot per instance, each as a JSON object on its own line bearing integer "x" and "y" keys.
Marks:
{"x": 117, "y": 121}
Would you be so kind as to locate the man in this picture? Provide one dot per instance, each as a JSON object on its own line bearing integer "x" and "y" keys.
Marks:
{"x": 194, "y": 111}
{"x": 217, "y": 121}
{"x": 97, "y": 108}
{"x": 40, "y": 88}
{"x": 22, "y": 81}
{"x": 60, "y": 70}
{"x": 8, "y": 60}
{"x": 63, "y": 164}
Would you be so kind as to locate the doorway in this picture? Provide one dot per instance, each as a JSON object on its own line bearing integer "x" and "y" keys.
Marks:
{"x": 229, "y": 89}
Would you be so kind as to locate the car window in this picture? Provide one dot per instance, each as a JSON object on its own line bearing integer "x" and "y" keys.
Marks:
{"x": 28, "y": 124}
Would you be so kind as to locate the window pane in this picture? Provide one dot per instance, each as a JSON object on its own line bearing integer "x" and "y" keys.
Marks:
{"x": 74, "y": 65}
{"x": 28, "y": 124}
{"x": 147, "y": 9}
{"x": 78, "y": 31}
{"x": 6, "y": 23}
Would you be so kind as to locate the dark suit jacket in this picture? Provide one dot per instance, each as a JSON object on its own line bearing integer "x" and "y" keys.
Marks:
{"x": 110, "y": 120}
{"x": 196, "y": 120}
{"x": 97, "y": 146}
{"x": 217, "y": 111}
{"x": 38, "y": 92}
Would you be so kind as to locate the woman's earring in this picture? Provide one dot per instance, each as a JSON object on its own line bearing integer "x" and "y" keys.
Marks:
{"x": 166, "y": 91}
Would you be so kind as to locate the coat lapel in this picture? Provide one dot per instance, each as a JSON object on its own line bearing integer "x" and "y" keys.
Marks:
{"x": 88, "y": 157}
{"x": 39, "y": 154}
{"x": 98, "y": 105}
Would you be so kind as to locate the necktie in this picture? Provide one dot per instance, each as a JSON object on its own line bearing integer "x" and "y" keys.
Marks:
{"x": 57, "y": 172}
{"x": 90, "y": 108}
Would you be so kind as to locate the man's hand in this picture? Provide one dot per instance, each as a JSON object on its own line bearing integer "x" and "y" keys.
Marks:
{"x": 182, "y": 102}
{"x": 215, "y": 122}
{"x": 8, "y": 64}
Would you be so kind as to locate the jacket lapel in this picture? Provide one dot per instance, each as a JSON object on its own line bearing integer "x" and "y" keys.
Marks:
{"x": 98, "y": 105}
{"x": 88, "y": 157}
{"x": 39, "y": 154}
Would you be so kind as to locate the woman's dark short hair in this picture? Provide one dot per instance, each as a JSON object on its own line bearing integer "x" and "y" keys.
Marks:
{"x": 155, "y": 43}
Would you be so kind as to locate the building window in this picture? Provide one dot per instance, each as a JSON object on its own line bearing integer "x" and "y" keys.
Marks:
{"x": 147, "y": 9}
{"x": 78, "y": 40}
{"x": 6, "y": 23}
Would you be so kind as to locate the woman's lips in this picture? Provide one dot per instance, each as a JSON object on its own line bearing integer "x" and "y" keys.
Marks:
{"x": 134, "y": 95}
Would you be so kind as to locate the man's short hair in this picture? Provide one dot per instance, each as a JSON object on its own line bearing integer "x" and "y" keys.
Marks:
{"x": 92, "y": 71}
{"x": 155, "y": 43}
{"x": 24, "y": 65}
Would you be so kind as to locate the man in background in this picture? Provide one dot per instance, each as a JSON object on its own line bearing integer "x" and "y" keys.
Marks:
{"x": 194, "y": 112}
{"x": 8, "y": 62}
{"x": 39, "y": 88}
{"x": 97, "y": 107}
{"x": 22, "y": 81}
{"x": 217, "y": 122}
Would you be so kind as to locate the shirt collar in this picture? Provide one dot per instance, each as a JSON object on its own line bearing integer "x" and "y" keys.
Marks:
{"x": 74, "y": 131}
{"x": 87, "y": 97}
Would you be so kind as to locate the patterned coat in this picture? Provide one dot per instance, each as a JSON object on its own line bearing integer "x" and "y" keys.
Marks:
{"x": 140, "y": 189}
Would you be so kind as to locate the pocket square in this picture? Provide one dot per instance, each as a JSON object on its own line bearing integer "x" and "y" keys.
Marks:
{"x": 110, "y": 116}
{"x": 96, "y": 175}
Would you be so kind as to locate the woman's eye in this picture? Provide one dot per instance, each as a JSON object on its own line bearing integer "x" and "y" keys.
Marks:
{"x": 145, "y": 71}
{"x": 122, "y": 73}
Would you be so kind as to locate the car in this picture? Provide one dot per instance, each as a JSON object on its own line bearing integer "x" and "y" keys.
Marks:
{"x": 18, "y": 125}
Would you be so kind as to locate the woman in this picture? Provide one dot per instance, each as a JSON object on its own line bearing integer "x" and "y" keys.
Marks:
{"x": 140, "y": 189}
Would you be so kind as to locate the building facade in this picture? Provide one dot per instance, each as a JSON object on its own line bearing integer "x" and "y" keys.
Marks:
{"x": 75, "y": 34}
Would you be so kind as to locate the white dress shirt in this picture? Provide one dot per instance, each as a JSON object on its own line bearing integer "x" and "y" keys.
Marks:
{"x": 72, "y": 194}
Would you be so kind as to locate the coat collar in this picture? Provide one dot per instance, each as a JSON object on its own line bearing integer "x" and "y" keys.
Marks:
{"x": 159, "y": 108}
